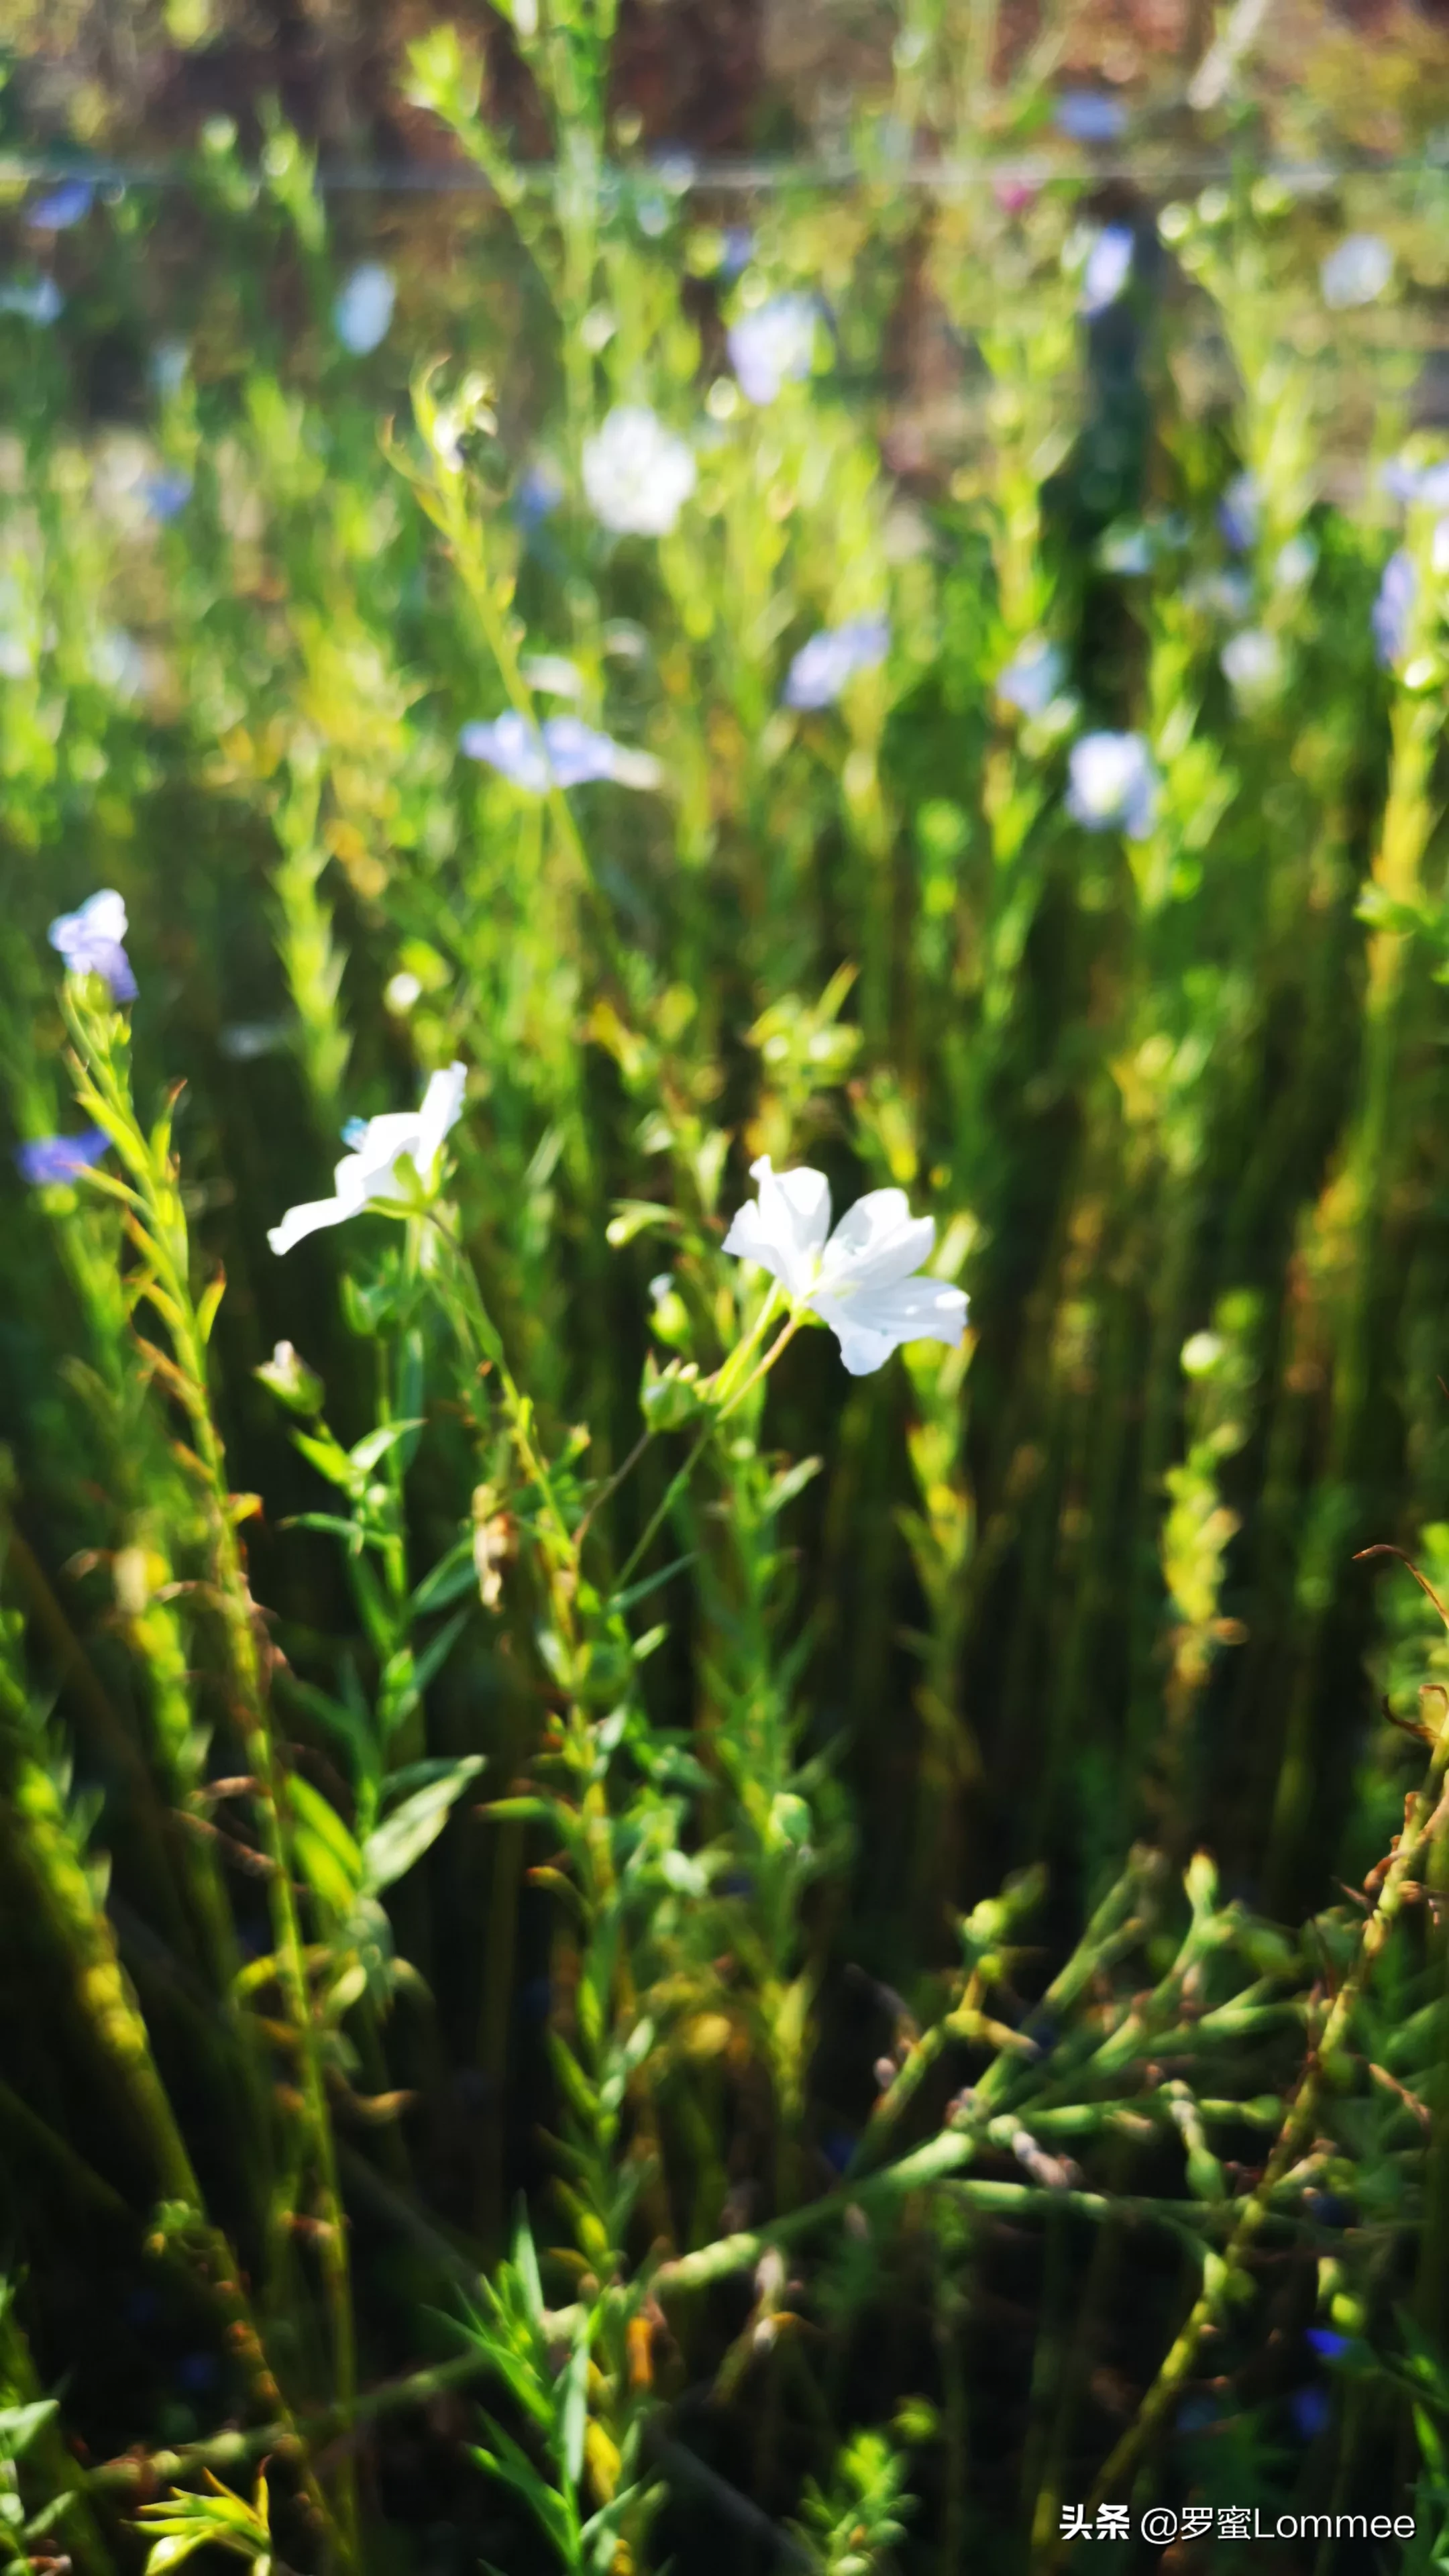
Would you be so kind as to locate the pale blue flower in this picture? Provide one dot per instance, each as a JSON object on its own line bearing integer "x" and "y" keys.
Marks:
{"x": 44, "y": 1159}
{"x": 90, "y": 942}
{"x": 166, "y": 494}
{"x": 1394, "y": 607}
{"x": 773, "y": 346}
{"x": 362, "y": 313}
{"x": 67, "y": 204}
{"x": 1240, "y": 512}
{"x": 538, "y": 492}
{"x": 1109, "y": 265}
{"x": 1033, "y": 678}
{"x": 1086, "y": 116}
{"x": 822, "y": 667}
{"x": 1356, "y": 272}
{"x": 1112, "y": 785}
{"x": 1424, "y": 484}
{"x": 562, "y": 752}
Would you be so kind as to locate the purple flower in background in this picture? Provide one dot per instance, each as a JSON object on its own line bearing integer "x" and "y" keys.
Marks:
{"x": 1327, "y": 2345}
{"x": 1086, "y": 116}
{"x": 1311, "y": 2410}
{"x": 1356, "y": 272}
{"x": 1109, "y": 265}
{"x": 1394, "y": 606}
{"x": 538, "y": 492}
{"x": 60, "y": 1158}
{"x": 772, "y": 347}
{"x": 821, "y": 668}
{"x": 739, "y": 243}
{"x": 1112, "y": 786}
{"x": 68, "y": 204}
{"x": 90, "y": 942}
{"x": 166, "y": 494}
{"x": 1239, "y": 513}
{"x": 362, "y": 313}
{"x": 1033, "y": 678}
{"x": 562, "y": 752}
{"x": 1422, "y": 483}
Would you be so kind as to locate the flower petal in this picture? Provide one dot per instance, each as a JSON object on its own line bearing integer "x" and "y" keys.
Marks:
{"x": 877, "y": 1242}
{"x": 785, "y": 1229}
{"x": 307, "y": 1219}
{"x": 441, "y": 1110}
{"x": 876, "y": 1321}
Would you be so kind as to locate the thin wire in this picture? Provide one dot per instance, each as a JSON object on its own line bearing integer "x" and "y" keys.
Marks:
{"x": 680, "y": 176}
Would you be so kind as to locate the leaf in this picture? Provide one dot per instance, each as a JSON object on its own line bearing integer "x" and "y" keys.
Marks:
{"x": 326, "y": 1851}
{"x": 207, "y": 1304}
{"x": 20, "y": 2424}
{"x": 634, "y": 1217}
{"x": 369, "y": 1452}
{"x": 575, "y": 2418}
{"x": 394, "y": 1846}
{"x": 452, "y": 1575}
{"x": 173, "y": 2546}
{"x": 328, "y": 1457}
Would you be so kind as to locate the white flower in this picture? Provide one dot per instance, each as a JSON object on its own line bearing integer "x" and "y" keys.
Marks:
{"x": 861, "y": 1279}
{"x": 1253, "y": 663}
{"x": 370, "y": 1171}
{"x": 1356, "y": 272}
{"x": 1112, "y": 784}
{"x": 637, "y": 474}
{"x": 362, "y": 313}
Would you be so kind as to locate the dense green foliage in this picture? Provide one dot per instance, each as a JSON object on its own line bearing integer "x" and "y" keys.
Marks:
{"x": 622, "y": 1947}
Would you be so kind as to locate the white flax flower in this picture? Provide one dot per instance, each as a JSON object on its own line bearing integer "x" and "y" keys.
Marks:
{"x": 370, "y": 1172}
{"x": 637, "y": 474}
{"x": 861, "y": 1280}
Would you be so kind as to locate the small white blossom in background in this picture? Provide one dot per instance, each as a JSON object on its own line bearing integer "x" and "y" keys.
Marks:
{"x": 1220, "y": 594}
{"x": 33, "y": 299}
{"x": 1295, "y": 564}
{"x": 119, "y": 664}
{"x": 1107, "y": 269}
{"x": 554, "y": 674}
{"x": 1032, "y": 679}
{"x": 362, "y": 313}
{"x": 370, "y": 1171}
{"x": 822, "y": 667}
{"x": 1356, "y": 272}
{"x": 561, "y": 752}
{"x": 169, "y": 362}
{"x": 90, "y": 942}
{"x": 861, "y": 1280}
{"x": 1112, "y": 784}
{"x": 637, "y": 474}
{"x": 1252, "y": 664}
{"x": 773, "y": 347}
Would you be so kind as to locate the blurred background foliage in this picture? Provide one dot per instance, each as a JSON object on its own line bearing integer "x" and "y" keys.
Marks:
{"x": 779, "y": 1875}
